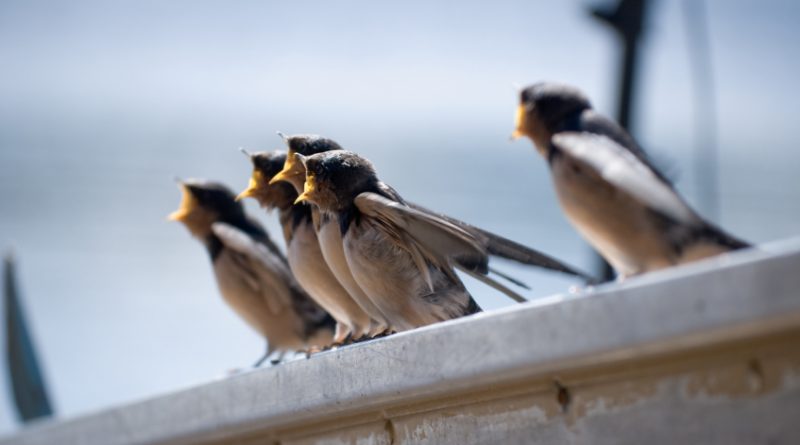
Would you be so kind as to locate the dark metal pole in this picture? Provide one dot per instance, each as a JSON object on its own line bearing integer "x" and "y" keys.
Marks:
{"x": 627, "y": 19}
{"x": 27, "y": 381}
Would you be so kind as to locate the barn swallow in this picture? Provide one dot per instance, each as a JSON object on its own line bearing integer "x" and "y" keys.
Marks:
{"x": 495, "y": 245}
{"x": 328, "y": 233}
{"x": 252, "y": 274}
{"x": 609, "y": 189}
{"x": 305, "y": 256}
{"x": 404, "y": 259}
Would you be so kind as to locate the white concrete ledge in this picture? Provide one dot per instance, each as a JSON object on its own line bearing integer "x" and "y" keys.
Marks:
{"x": 614, "y": 330}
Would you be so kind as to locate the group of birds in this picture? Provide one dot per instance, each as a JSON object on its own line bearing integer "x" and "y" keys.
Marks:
{"x": 363, "y": 262}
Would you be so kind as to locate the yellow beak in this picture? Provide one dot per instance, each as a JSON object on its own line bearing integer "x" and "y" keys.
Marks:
{"x": 519, "y": 123}
{"x": 252, "y": 186}
{"x": 282, "y": 175}
{"x": 291, "y": 170}
{"x": 309, "y": 188}
{"x": 188, "y": 204}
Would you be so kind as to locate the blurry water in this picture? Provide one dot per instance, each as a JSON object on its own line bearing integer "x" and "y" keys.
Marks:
{"x": 102, "y": 106}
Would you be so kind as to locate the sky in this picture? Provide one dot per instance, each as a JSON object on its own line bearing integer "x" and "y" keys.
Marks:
{"x": 103, "y": 103}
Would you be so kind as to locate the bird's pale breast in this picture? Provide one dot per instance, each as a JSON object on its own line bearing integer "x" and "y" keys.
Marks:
{"x": 312, "y": 272}
{"x": 332, "y": 247}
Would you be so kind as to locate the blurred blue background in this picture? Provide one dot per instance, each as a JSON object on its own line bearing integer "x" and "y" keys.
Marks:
{"x": 102, "y": 103}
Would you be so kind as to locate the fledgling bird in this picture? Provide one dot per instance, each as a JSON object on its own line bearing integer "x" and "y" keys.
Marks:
{"x": 402, "y": 258}
{"x": 609, "y": 189}
{"x": 328, "y": 233}
{"x": 252, "y": 274}
{"x": 495, "y": 245}
{"x": 305, "y": 255}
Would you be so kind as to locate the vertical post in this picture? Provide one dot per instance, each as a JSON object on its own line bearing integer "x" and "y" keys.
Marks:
{"x": 27, "y": 382}
{"x": 627, "y": 19}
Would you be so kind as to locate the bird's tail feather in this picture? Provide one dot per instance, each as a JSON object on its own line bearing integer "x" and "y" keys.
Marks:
{"x": 511, "y": 250}
{"x": 718, "y": 236}
{"x": 509, "y": 278}
{"x": 494, "y": 284}
{"x": 505, "y": 248}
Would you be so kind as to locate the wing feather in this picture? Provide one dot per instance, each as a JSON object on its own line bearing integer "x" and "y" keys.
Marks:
{"x": 502, "y": 247}
{"x": 437, "y": 240}
{"x": 269, "y": 274}
{"x": 433, "y": 239}
{"x": 625, "y": 171}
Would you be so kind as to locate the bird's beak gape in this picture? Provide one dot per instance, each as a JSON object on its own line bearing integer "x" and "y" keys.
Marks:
{"x": 291, "y": 169}
{"x": 519, "y": 122}
{"x": 309, "y": 189}
{"x": 255, "y": 182}
{"x": 188, "y": 204}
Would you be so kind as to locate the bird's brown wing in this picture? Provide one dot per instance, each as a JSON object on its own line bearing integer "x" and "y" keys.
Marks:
{"x": 594, "y": 122}
{"x": 497, "y": 245}
{"x": 432, "y": 240}
{"x": 269, "y": 275}
{"x": 502, "y": 247}
{"x": 626, "y": 172}
{"x": 429, "y": 239}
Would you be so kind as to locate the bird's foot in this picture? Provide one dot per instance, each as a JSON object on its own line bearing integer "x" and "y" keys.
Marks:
{"x": 311, "y": 350}
{"x": 261, "y": 360}
{"x": 385, "y": 333}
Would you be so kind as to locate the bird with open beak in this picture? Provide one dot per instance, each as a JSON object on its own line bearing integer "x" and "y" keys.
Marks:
{"x": 496, "y": 245}
{"x": 402, "y": 258}
{"x": 330, "y": 238}
{"x": 609, "y": 189}
{"x": 304, "y": 251}
{"x": 252, "y": 274}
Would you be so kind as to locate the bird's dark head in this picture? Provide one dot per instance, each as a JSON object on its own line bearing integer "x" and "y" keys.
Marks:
{"x": 311, "y": 144}
{"x": 266, "y": 165}
{"x": 306, "y": 145}
{"x": 543, "y": 108}
{"x": 204, "y": 203}
{"x": 335, "y": 178}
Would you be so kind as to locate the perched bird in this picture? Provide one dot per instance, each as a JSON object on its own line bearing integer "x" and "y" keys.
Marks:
{"x": 609, "y": 189}
{"x": 303, "y": 248}
{"x": 495, "y": 245}
{"x": 402, "y": 258}
{"x": 252, "y": 274}
{"x": 328, "y": 233}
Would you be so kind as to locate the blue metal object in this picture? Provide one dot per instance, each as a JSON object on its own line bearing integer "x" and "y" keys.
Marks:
{"x": 27, "y": 382}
